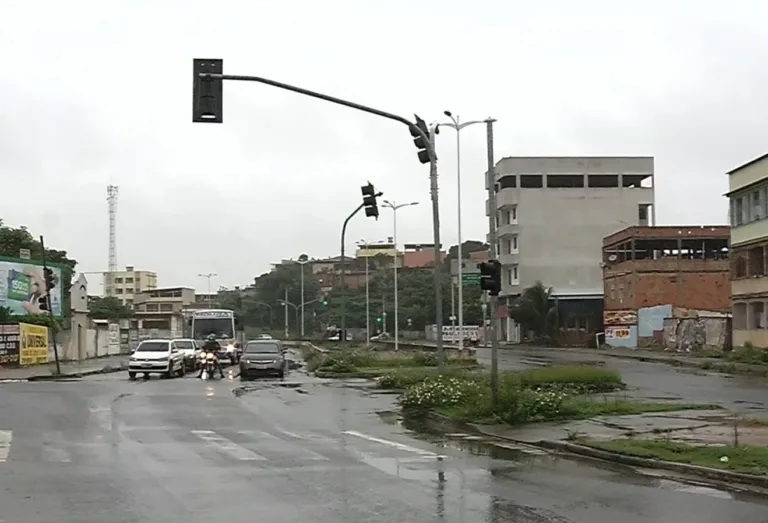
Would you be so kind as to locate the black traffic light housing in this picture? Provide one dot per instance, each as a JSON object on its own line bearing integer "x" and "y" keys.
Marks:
{"x": 418, "y": 140}
{"x": 50, "y": 279}
{"x": 207, "y": 101}
{"x": 490, "y": 277}
{"x": 369, "y": 200}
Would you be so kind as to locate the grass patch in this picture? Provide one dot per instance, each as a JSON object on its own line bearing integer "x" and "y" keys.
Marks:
{"x": 537, "y": 395}
{"x": 373, "y": 363}
{"x": 745, "y": 459}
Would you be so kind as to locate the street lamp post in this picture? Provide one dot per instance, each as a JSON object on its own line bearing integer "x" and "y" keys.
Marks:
{"x": 395, "y": 207}
{"x": 302, "y": 261}
{"x": 458, "y": 126}
{"x": 209, "y": 276}
{"x": 367, "y": 299}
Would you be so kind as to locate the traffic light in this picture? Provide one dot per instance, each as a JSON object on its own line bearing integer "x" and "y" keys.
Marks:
{"x": 490, "y": 277}
{"x": 50, "y": 281}
{"x": 43, "y": 303}
{"x": 378, "y": 319}
{"x": 369, "y": 200}
{"x": 207, "y": 102}
{"x": 418, "y": 140}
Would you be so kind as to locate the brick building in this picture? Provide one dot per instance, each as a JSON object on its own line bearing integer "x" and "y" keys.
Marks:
{"x": 648, "y": 271}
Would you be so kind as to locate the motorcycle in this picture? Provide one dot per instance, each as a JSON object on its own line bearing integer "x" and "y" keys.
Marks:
{"x": 208, "y": 362}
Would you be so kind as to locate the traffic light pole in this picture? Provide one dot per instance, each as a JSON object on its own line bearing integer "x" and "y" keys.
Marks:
{"x": 343, "y": 289}
{"x": 493, "y": 305}
{"x": 50, "y": 311}
{"x": 429, "y": 137}
{"x": 438, "y": 259}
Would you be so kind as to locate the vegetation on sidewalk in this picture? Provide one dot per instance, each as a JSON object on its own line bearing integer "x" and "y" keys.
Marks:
{"x": 359, "y": 362}
{"x": 537, "y": 395}
{"x": 745, "y": 459}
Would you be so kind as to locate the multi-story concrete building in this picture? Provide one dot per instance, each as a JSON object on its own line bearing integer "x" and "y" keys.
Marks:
{"x": 124, "y": 285}
{"x": 552, "y": 214}
{"x": 163, "y": 309}
{"x": 748, "y": 195}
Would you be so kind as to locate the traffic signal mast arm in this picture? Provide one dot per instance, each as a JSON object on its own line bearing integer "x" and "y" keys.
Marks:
{"x": 217, "y": 64}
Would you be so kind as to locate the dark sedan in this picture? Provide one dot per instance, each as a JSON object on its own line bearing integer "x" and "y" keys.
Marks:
{"x": 262, "y": 358}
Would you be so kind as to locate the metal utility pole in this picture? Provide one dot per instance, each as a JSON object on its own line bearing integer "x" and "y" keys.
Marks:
{"x": 455, "y": 124}
{"x": 49, "y": 301}
{"x": 438, "y": 259}
{"x": 493, "y": 304}
{"x": 383, "y": 313}
{"x": 367, "y": 298}
{"x": 302, "y": 262}
{"x": 343, "y": 336}
{"x": 395, "y": 207}
{"x": 285, "y": 308}
{"x": 209, "y": 276}
{"x": 207, "y": 107}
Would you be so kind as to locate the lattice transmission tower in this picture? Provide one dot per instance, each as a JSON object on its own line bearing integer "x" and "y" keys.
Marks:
{"x": 112, "y": 191}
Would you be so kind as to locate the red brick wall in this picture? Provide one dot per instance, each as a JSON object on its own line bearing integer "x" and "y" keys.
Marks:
{"x": 693, "y": 290}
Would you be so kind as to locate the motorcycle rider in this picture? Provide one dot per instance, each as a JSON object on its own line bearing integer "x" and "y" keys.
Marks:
{"x": 211, "y": 345}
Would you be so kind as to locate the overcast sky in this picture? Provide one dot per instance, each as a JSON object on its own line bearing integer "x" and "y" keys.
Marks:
{"x": 99, "y": 92}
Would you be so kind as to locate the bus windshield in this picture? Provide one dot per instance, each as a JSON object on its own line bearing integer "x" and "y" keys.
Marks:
{"x": 219, "y": 327}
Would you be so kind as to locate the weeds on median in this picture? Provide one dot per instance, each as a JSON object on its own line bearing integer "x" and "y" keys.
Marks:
{"x": 550, "y": 394}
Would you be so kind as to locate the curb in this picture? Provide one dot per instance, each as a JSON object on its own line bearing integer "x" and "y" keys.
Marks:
{"x": 723, "y": 476}
{"x": 75, "y": 375}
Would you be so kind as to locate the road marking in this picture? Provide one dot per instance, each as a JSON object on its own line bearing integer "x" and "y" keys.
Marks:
{"x": 393, "y": 444}
{"x": 227, "y": 447}
{"x": 280, "y": 445}
{"x": 5, "y": 444}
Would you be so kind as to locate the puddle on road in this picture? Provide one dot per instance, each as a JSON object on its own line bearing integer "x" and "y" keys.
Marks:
{"x": 517, "y": 455}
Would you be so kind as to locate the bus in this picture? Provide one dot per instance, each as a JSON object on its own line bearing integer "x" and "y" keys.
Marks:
{"x": 222, "y": 323}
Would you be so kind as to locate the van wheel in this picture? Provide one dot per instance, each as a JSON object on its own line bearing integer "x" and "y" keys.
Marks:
{"x": 131, "y": 376}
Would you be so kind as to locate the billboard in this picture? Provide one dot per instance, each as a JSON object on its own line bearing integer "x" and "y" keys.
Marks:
{"x": 22, "y": 283}
{"x": 33, "y": 344}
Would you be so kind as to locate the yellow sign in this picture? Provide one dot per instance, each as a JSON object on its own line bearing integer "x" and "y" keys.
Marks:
{"x": 33, "y": 344}
{"x": 616, "y": 333}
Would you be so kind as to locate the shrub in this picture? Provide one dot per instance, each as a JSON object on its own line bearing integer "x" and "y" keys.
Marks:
{"x": 404, "y": 378}
{"x": 574, "y": 378}
{"x": 440, "y": 391}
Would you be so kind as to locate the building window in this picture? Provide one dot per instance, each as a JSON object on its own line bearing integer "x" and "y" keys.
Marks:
{"x": 514, "y": 245}
{"x": 513, "y": 214}
{"x": 757, "y": 207}
{"x": 738, "y": 213}
{"x": 513, "y": 276}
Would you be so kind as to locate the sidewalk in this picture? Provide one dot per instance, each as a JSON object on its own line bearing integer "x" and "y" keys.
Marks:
{"x": 708, "y": 430}
{"x": 577, "y": 354}
{"x": 73, "y": 369}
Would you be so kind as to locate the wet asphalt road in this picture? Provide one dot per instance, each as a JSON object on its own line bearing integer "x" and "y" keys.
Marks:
{"x": 108, "y": 450}
{"x": 653, "y": 381}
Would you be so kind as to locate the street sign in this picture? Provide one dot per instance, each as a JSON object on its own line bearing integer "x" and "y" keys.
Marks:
{"x": 472, "y": 278}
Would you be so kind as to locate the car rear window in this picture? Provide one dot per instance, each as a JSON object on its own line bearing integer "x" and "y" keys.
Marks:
{"x": 262, "y": 347}
{"x": 153, "y": 346}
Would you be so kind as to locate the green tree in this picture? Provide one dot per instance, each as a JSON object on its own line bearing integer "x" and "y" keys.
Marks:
{"x": 467, "y": 248}
{"x": 108, "y": 308}
{"x": 536, "y": 311}
{"x": 12, "y": 240}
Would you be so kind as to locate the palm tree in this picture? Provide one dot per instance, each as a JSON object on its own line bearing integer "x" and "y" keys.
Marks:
{"x": 536, "y": 311}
